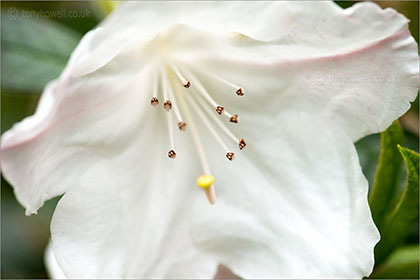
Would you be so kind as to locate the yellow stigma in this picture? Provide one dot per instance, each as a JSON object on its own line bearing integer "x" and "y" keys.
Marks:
{"x": 205, "y": 181}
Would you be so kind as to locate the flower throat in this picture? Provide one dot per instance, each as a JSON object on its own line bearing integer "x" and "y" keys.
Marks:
{"x": 201, "y": 103}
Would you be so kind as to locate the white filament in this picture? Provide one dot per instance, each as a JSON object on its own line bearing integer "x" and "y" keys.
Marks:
{"x": 168, "y": 91}
{"x": 208, "y": 124}
{"x": 169, "y": 115}
{"x": 176, "y": 71}
{"x": 217, "y": 120}
{"x": 196, "y": 137}
{"x": 201, "y": 89}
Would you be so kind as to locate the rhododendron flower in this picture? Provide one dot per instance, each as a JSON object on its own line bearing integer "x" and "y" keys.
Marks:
{"x": 257, "y": 103}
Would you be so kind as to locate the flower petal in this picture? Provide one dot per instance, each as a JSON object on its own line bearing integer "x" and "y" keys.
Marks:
{"x": 279, "y": 64}
{"x": 130, "y": 218}
{"x": 300, "y": 212}
{"x": 136, "y": 23}
{"x": 358, "y": 67}
{"x": 293, "y": 206}
{"x": 54, "y": 270}
{"x": 45, "y": 154}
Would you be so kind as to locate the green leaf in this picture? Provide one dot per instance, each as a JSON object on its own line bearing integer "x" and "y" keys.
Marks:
{"x": 33, "y": 51}
{"x": 402, "y": 264}
{"x": 368, "y": 149}
{"x": 401, "y": 221}
{"x": 387, "y": 174}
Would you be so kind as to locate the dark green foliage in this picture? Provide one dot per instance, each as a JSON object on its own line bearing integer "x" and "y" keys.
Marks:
{"x": 402, "y": 264}
{"x": 387, "y": 174}
{"x": 400, "y": 221}
{"x": 33, "y": 52}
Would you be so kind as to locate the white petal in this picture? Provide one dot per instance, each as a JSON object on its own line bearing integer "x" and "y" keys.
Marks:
{"x": 45, "y": 154}
{"x": 103, "y": 218}
{"x": 279, "y": 72}
{"x": 54, "y": 270}
{"x": 130, "y": 218}
{"x": 358, "y": 67}
{"x": 293, "y": 205}
{"x": 136, "y": 23}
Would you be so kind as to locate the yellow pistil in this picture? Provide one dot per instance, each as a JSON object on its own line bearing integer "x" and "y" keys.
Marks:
{"x": 205, "y": 181}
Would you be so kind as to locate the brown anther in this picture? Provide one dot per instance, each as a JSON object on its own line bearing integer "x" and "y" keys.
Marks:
{"x": 154, "y": 102}
{"x": 172, "y": 154}
{"x": 230, "y": 156}
{"x": 182, "y": 126}
{"x": 234, "y": 119}
{"x": 167, "y": 105}
{"x": 240, "y": 92}
{"x": 187, "y": 85}
{"x": 219, "y": 110}
{"x": 242, "y": 143}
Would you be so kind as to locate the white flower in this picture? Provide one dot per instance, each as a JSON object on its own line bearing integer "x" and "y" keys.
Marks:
{"x": 293, "y": 204}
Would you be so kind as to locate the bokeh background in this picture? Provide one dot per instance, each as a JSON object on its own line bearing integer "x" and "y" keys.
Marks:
{"x": 37, "y": 39}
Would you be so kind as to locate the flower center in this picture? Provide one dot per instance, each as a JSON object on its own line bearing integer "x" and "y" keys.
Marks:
{"x": 191, "y": 100}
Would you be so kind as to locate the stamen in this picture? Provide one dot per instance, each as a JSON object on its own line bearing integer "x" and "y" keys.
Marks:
{"x": 167, "y": 105}
{"x": 220, "y": 109}
{"x": 209, "y": 126}
{"x": 216, "y": 119}
{"x": 182, "y": 126}
{"x": 234, "y": 119}
{"x": 168, "y": 90}
{"x": 230, "y": 156}
{"x": 184, "y": 81}
{"x": 187, "y": 85}
{"x": 155, "y": 86}
{"x": 205, "y": 181}
{"x": 154, "y": 102}
{"x": 210, "y": 191}
{"x": 242, "y": 143}
{"x": 196, "y": 137}
{"x": 240, "y": 92}
{"x": 172, "y": 154}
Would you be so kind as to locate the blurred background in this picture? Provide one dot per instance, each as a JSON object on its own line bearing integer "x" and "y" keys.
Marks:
{"x": 37, "y": 39}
